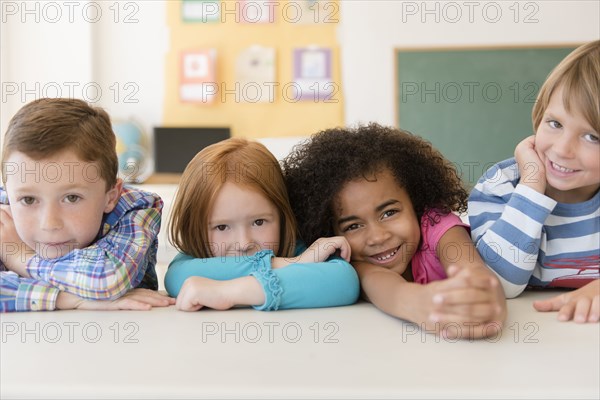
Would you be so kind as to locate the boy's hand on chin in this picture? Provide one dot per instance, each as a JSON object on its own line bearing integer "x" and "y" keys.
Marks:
{"x": 531, "y": 167}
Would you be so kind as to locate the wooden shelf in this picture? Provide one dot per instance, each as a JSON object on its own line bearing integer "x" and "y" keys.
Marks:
{"x": 163, "y": 179}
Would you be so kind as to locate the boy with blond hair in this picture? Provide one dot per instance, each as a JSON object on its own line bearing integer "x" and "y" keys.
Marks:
{"x": 70, "y": 233}
{"x": 536, "y": 217}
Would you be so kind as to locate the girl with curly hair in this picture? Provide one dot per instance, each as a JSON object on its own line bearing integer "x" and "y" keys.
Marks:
{"x": 234, "y": 226}
{"x": 392, "y": 196}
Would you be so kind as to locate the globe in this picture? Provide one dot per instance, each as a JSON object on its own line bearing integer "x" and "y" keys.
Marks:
{"x": 132, "y": 154}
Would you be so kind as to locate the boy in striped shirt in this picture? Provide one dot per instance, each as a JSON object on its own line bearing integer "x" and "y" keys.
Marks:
{"x": 71, "y": 236}
{"x": 535, "y": 218}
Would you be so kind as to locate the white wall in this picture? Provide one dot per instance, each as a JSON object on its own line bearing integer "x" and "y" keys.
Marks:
{"x": 129, "y": 58}
{"x": 370, "y": 30}
{"x": 41, "y": 57}
{"x": 3, "y": 76}
{"x": 106, "y": 52}
{"x": 122, "y": 48}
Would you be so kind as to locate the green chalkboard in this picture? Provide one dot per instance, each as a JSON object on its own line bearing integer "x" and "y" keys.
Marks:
{"x": 474, "y": 105}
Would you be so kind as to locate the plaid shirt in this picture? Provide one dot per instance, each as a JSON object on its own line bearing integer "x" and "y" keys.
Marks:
{"x": 122, "y": 257}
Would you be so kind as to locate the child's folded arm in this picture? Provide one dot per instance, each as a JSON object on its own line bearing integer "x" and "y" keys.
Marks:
{"x": 184, "y": 266}
{"x": 111, "y": 266}
{"x": 508, "y": 234}
{"x": 25, "y": 294}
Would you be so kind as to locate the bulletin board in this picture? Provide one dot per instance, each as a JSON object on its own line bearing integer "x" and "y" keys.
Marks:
{"x": 473, "y": 104}
{"x": 197, "y": 25}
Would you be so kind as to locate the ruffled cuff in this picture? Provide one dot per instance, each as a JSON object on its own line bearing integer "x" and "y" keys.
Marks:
{"x": 262, "y": 271}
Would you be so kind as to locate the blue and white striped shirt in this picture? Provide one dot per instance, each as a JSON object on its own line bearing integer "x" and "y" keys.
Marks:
{"x": 527, "y": 238}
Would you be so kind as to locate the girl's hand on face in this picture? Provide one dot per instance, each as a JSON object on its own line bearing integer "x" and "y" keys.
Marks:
{"x": 531, "y": 167}
{"x": 324, "y": 248}
{"x": 581, "y": 305}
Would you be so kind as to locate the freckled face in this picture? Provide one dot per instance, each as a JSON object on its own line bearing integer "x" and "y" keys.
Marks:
{"x": 242, "y": 222}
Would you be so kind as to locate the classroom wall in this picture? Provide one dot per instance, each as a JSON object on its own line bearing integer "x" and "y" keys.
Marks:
{"x": 370, "y": 30}
{"x": 128, "y": 60}
{"x": 110, "y": 51}
{"x": 283, "y": 115}
{"x": 32, "y": 58}
{"x": 3, "y": 74}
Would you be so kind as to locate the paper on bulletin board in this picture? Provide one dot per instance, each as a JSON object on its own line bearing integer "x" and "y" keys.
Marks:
{"x": 255, "y": 74}
{"x": 198, "y": 83}
{"x": 256, "y": 12}
{"x": 312, "y": 73}
{"x": 201, "y": 11}
{"x": 312, "y": 11}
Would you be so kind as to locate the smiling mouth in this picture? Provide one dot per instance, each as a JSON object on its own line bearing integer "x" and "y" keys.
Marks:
{"x": 560, "y": 168}
{"x": 382, "y": 257}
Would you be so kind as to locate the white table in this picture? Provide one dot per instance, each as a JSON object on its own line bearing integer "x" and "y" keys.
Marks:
{"x": 345, "y": 352}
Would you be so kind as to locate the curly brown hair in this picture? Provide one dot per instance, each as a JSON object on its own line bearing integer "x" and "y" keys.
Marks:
{"x": 317, "y": 170}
